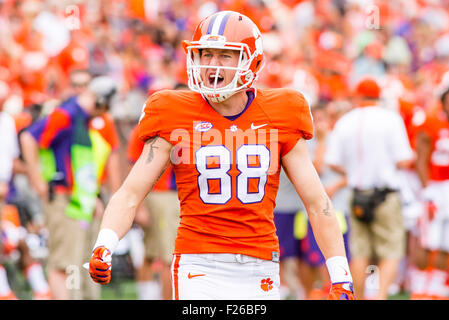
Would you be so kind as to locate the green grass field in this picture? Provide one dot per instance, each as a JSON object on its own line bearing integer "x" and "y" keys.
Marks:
{"x": 126, "y": 290}
{"x": 118, "y": 289}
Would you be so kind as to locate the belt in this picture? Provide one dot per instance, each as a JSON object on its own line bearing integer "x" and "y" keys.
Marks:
{"x": 57, "y": 189}
{"x": 61, "y": 189}
{"x": 223, "y": 257}
{"x": 372, "y": 190}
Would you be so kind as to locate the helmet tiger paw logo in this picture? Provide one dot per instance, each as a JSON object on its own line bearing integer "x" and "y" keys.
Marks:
{"x": 266, "y": 284}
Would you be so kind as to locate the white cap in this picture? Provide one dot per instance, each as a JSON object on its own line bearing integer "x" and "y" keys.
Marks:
{"x": 103, "y": 86}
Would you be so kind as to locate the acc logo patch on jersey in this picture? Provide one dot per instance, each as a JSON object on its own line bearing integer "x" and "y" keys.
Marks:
{"x": 203, "y": 126}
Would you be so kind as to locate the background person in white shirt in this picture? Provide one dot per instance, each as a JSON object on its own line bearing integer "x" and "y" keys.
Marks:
{"x": 9, "y": 150}
{"x": 369, "y": 145}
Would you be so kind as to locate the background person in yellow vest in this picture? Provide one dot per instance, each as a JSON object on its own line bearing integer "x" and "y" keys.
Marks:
{"x": 76, "y": 154}
{"x": 106, "y": 146}
{"x": 110, "y": 177}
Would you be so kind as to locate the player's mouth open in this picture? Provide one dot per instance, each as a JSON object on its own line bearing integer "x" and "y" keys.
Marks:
{"x": 211, "y": 80}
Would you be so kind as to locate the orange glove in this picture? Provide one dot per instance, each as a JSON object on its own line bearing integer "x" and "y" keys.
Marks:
{"x": 100, "y": 265}
{"x": 341, "y": 291}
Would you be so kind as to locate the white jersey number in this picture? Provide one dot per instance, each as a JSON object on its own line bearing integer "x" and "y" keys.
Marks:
{"x": 256, "y": 168}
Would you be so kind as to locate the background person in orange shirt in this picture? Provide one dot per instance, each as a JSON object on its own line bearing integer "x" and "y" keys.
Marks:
{"x": 431, "y": 248}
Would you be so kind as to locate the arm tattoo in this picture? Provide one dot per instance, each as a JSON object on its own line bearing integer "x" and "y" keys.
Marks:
{"x": 151, "y": 141}
{"x": 327, "y": 210}
{"x": 158, "y": 178}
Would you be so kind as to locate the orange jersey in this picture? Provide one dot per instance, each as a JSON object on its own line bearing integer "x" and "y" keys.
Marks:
{"x": 437, "y": 127}
{"x": 135, "y": 146}
{"x": 227, "y": 171}
{"x": 412, "y": 115}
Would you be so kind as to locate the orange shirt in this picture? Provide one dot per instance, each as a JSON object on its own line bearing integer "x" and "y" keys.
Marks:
{"x": 227, "y": 171}
{"x": 436, "y": 126}
{"x": 412, "y": 115}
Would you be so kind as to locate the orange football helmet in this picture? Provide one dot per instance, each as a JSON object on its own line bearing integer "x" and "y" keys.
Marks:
{"x": 225, "y": 30}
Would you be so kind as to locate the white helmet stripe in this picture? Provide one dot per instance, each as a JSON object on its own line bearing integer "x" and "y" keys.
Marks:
{"x": 217, "y": 23}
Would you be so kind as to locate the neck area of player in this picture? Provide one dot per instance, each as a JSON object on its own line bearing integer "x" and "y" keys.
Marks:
{"x": 231, "y": 106}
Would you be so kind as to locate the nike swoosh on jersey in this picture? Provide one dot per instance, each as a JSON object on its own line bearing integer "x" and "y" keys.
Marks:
{"x": 190, "y": 276}
{"x": 253, "y": 127}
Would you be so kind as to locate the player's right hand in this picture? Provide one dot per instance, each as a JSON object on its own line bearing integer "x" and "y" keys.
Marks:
{"x": 100, "y": 265}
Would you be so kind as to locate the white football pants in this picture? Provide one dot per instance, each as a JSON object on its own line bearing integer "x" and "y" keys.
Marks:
{"x": 224, "y": 276}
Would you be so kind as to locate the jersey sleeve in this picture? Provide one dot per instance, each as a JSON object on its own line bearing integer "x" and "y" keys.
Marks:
{"x": 298, "y": 121}
{"x": 135, "y": 146}
{"x": 154, "y": 118}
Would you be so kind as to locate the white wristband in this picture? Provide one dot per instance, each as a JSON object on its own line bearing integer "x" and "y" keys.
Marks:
{"x": 338, "y": 268}
{"x": 107, "y": 238}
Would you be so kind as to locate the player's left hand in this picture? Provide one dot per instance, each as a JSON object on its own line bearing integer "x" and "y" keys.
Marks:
{"x": 341, "y": 291}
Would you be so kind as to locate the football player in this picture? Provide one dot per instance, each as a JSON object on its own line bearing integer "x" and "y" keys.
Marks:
{"x": 226, "y": 141}
{"x": 431, "y": 254}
